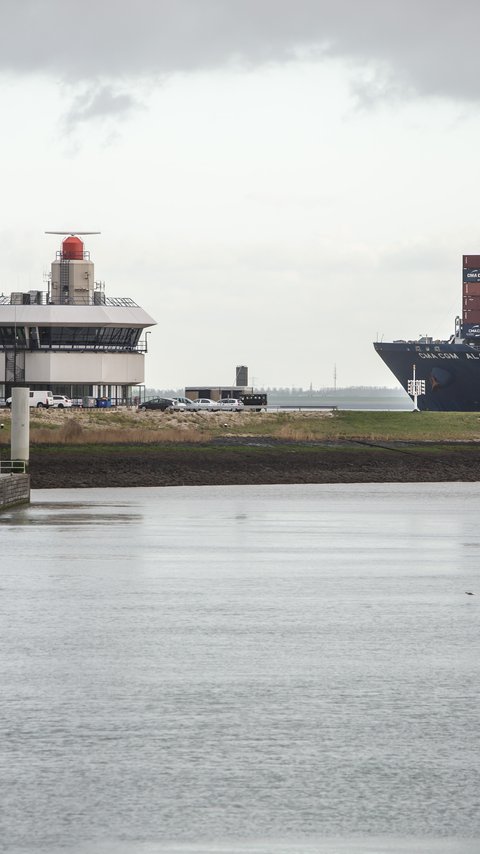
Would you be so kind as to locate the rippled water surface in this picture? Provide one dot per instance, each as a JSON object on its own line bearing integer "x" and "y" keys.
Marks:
{"x": 241, "y": 670}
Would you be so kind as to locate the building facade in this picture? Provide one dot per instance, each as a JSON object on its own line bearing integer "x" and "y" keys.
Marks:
{"x": 72, "y": 338}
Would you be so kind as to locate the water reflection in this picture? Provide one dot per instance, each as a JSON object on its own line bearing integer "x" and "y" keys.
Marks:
{"x": 70, "y": 513}
{"x": 234, "y": 669}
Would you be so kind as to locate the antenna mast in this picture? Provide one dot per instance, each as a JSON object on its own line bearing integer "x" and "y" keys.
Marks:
{"x": 73, "y": 233}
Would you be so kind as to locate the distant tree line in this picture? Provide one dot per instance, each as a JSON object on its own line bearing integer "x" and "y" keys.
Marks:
{"x": 275, "y": 391}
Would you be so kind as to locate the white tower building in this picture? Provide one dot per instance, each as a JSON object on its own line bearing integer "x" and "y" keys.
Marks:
{"x": 73, "y": 339}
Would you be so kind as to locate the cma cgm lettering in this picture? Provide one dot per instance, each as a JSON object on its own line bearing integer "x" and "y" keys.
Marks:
{"x": 438, "y": 355}
{"x": 449, "y": 367}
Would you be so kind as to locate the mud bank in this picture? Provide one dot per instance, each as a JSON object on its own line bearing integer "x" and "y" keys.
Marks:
{"x": 259, "y": 463}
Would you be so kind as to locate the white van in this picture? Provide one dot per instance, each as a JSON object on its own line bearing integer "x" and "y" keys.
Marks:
{"x": 40, "y": 399}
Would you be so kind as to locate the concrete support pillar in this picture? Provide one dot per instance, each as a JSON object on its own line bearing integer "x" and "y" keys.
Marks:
{"x": 20, "y": 435}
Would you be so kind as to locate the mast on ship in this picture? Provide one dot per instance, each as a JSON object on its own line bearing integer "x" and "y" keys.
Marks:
{"x": 73, "y": 279}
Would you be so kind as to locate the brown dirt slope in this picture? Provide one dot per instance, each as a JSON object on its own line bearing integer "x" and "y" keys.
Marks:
{"x": 210, "y": 464}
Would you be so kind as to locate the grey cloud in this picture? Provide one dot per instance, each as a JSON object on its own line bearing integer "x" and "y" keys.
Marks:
{"x": 427, "y": 47}
{"x": 99, "y": 102}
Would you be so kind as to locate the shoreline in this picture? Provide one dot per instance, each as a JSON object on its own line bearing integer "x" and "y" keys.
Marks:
{"x": 253, "y": 462}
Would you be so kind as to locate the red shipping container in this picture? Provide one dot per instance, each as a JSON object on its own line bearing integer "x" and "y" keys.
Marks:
{"x": 471, "y": 316}
{"x": 471, "y": 261}
{"x": 471, "y": 289}
{"x": 471, "y": 305}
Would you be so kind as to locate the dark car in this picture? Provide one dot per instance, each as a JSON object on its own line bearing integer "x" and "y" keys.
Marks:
{"x": 161, "y": 403}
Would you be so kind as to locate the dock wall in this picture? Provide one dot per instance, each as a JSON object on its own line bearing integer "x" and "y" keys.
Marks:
{"x": 14, "y": 489}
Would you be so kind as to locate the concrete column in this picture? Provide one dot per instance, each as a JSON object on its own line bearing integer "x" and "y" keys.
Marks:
{"x": 20, "y": 435}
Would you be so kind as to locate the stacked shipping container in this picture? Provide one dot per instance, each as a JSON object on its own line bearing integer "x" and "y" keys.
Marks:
{"x": 471, "y": 296}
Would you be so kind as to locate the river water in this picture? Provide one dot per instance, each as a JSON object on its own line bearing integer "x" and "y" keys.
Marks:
{"x": 241, "y": 670}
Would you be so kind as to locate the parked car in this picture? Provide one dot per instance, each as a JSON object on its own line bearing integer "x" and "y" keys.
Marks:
{"x": 231, "y": 404}
{"x": 62, "y": 402}
{"x": 161, "y": 403}
{"x": 204, "y": 403}
{"x": 40, "y": 399}
{"x": 187, "y": 403}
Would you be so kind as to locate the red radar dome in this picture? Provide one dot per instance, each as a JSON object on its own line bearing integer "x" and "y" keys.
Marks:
{"x": 72, "y": 249}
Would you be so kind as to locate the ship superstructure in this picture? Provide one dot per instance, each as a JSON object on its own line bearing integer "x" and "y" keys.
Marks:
{"x": 450, "y": 369}
{"x": 72, "y": 338}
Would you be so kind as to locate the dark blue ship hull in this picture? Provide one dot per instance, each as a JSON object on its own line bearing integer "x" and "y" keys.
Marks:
{"x": 451, "y": 372}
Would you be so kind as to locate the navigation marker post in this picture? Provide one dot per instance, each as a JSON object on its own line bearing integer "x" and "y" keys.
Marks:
{"x": 415, "y": 389}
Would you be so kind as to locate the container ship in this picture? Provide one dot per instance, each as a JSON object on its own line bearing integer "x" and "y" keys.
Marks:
{"x": 445, "y": 374}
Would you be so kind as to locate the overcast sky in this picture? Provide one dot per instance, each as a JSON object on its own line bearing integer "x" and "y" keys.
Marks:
{"x": 277, "y": 182}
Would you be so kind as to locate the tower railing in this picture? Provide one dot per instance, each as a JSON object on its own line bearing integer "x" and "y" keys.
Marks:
{"x": 97, "y": 299}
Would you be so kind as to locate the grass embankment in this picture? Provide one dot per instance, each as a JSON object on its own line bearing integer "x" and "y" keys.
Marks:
{"x": 131, "y": 427}
{"x": 108, "y": 448}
